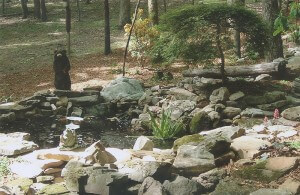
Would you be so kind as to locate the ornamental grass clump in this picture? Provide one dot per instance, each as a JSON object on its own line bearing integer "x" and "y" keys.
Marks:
{"x": 165, "y": 128}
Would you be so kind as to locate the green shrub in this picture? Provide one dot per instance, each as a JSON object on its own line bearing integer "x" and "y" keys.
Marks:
{"x": 294, "y": 145}
{"x": 164, "y": 127}
{"x": 202, "y": 32}
{"x": 4, "y": 166}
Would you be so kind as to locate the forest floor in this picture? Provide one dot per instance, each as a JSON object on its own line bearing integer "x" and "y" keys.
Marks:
{"x": 27, "y": 46}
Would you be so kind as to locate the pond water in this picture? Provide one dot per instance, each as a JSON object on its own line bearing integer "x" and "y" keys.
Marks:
{"x": 46, "y": 132}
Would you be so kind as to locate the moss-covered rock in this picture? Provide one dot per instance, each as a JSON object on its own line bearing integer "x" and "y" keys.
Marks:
{"x": 200, "y": 122}
{"x": 23, "y": 183}
{"x": 54, "y": 189}
{"x": 267, "y": 98}
{"x": 232, "y": 187}
{"x": 196, "y": 138}
{"x": 258, "y": 172}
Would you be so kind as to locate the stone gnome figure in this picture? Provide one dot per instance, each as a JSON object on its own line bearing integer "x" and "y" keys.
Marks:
{"x": 61, "y": 67}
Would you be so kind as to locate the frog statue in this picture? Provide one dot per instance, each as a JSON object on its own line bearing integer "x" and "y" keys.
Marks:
{"x": 68, "y": 140}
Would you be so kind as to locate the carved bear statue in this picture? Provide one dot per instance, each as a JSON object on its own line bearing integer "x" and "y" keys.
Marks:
{"x": 61, "y": 68}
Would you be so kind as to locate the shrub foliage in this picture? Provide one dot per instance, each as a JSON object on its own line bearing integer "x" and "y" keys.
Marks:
{"x": 197, "y": 33}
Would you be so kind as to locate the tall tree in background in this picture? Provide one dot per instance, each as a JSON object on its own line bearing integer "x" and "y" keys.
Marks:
{"x": 37, "y": 9}
{"x": 124, "y": 17}
{"x": 237, "y": 34}
{"x": 68, "y": 25}
{"x": 43, "y": 10}
{"x": 270, "y": 12}
{"x": 24, "y": 8}
{"x": 107, "y": 49}
{"x": 153, "y": 11}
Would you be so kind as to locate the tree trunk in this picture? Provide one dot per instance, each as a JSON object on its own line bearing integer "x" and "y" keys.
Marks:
{"x": 165, "y": 5}
{"x": 24, "y": 8}
{"x": 107, "y": 49}
{"x": 43, "y": 10}
{"x": 124, "y": 17}
{"x": 130, "y": 32}
{"x": 78, "y": 10}
{"x": 37, "y": 9}
{"x": 221, "y": 53}
{"x": 153, "y": 11}
{"x": 270, "y": 13}
{"x": 276, "y": 68}
{"x": 3, "y": 7}
{"x": 237, "y": 34}
{"x": 68, "y": 25}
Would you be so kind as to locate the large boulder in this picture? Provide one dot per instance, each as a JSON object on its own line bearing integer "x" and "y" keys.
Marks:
{"x": 182, "y": 185}
{"x": 231, "y": 112}
{"x": 292, "y": 114}
{"x": 123, "y": 89}
{"x": 232, "y": 187}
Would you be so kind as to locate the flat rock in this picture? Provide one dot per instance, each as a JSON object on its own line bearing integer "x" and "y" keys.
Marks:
{"x": 252, "y": 112}
{"x": 55, "y": 153}
{"x": 219, "y": 95}
{"x": 10, "y": 146}
{"x": 85, "y": 100}
{"x": 248, "y": 147}
{"x": 25, "y": 169}
{"x": 282, "y": 164}
{"x": 230, "y": 132}
{"x": 231, "y": 112}
{"x": 182, "y": 94}
{"x": 265, "y": 191}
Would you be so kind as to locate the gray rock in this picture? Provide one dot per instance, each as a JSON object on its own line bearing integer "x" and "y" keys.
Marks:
{"x": 291, "y": 185}
{"x": 151, "y": 187}
{"x": 236, "y": 96}
{"x": 274, "y": 105}
{"x": 123, "y": 89}
{"x": 9, "y": 117}
{"x": 101, "y": 110}
{"x": 210, "y": 179}
{"x": 267, "y": 98}
{"x": 263, "y": 77}
{"x": 193, "y": 160}
{"x": 15, "y": 144}
{"x": 248, "y": 147}
{"x": 232, "y": 187}
{"x": 200, "y": 122}
{"x": 252, "y": 112}
{"x": 229, "y": 132}
{"x": 231, "y": 112}
{"x": 68, "y": 140}
{"x": 143, "y": 143}
{"x": 182, "y": 94}
{"x": 179, "y": 107}
{"x": 157, "y": 170}
{"x": 146, "y": 98}
{"x": 85, "y": 100}
{"x": 77, "y": 112}
{"x": 219, "y": 95}
{"x": 182, "y": 185}
{"x": 215, "y": 118}
{"x": 265, "y": 191}
{"x": 292, "y": 114}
